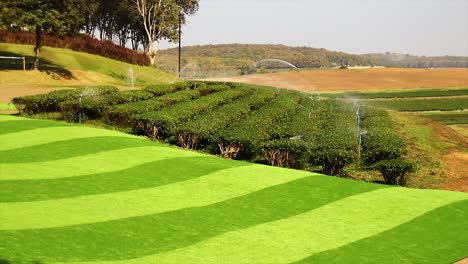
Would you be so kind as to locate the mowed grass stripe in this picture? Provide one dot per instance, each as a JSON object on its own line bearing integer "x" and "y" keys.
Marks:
{"x": 325, "y": 228}
{"x": 49, "y": 135}
{"x": 205, "y": 190}
{"x": 70, "y": 148}
{"x": 10, "y": 124}
{"x": 101, "y": 162}
{"x": 147, "y": 235}
{"x": 148, "y": 175}
{"x": 438, "y": 236}
{"x": 4, "y": 118}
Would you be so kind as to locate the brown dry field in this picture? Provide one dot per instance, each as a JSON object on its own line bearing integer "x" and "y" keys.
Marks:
{"x": 359, "y": 79}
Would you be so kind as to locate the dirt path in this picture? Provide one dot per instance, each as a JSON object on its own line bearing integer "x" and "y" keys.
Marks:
{"x": 8, "y": 93}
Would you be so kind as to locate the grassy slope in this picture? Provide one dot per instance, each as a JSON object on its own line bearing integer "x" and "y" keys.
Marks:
{"x": 73, "y": 194}
{"x": 86, "y": 69}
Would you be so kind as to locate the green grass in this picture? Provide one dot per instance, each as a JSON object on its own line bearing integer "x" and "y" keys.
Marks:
{"x": 401, "y": 94}
{"x": 8, "y": 107}
{"x": 413, "y": 105}
{"x": 448, "y": 118}
{"x": 82, "y": 195}
{"x": 64, "y": 60}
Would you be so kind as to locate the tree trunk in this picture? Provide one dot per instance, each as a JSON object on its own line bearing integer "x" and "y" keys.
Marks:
{"x": 153, "y": 51}
{"x": 38, "y": 46}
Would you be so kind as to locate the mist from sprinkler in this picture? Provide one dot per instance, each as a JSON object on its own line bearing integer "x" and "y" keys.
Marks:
{"x": 131, "y": 75}
{"x": 80, "y": 99}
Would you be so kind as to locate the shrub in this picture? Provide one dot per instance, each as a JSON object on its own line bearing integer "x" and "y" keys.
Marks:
{"x": 166, "y": 95}
{"x": 51, "y": 102}
{"x": 395, "y": 171}
{"x": 287, "y": 153}
{"x": 380, "y": 141}
{"x": 160, "y": 124}
{"x": 205, "y": 126}
{"x": 333, "y": 141}
{"x": 333, "y": 150}
{"x": 95, "y": 106}
{"x": 251, "y": 133}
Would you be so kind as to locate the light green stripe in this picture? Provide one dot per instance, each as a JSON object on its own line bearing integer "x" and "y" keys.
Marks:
{"x": 8, "y": 118}
{"x": 209, "y": 189}
{"x": 325, "y": 228}
{"x": 52, "y": 134}
{"x": 101, "y": 162}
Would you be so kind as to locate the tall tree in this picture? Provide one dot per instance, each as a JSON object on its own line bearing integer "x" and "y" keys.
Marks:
{"x": 59, "y": 17}
{"x": 160, "y": 20}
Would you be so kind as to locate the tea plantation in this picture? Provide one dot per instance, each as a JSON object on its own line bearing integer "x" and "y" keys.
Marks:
{"x": 260, "y": 124}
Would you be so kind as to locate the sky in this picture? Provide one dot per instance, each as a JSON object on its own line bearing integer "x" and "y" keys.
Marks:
{"x": 418, "y": 27}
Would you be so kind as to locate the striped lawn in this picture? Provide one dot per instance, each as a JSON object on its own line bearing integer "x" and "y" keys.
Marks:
{"x": 71, "y": 194}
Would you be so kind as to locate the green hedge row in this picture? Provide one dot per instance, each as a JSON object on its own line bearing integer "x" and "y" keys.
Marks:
{"x": 93, "y": 106}
{"x": 248, "y": 135}
{"x": 413, "y": 105}
{"x": 50, "y": 102}
{"x": 121, "y": 114}
{"x": 160, "y": 124}
{"x": 204, "y": 127}
{"x": 401, "y": 94}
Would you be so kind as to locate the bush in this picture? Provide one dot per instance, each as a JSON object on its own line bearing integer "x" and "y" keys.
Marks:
{"x": 380, "y": 141}
{"x": 251, "y": 133}
{"x": 205, "y": 126}
{"x": 395, "y": 171}
{"x": 122, "y": 114}
{"x": 287, "y": 153}
{"x": 97, "y": 105}
{"x": 160, "y": 124}
{"x": 333, "y": 150}
{"x": 51, "y": 102}
{"x": 333, "y": 140}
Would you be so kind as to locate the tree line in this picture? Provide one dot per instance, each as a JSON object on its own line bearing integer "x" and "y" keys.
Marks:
{"x": 244, "y": 57}
{"x": 136, "y": 23}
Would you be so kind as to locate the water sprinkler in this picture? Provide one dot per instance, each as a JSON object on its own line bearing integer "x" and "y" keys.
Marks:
{"x": 358, "y": 124}
{"x": 131, "y": 74}
{"x": 79, "y": 107}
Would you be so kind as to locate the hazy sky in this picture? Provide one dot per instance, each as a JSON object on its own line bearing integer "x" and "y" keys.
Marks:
{"x": 420, "y": 27}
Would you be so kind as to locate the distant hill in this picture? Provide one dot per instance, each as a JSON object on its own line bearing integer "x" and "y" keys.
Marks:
{"x": 410, "y": 61}
{"x": 244, "y": 57}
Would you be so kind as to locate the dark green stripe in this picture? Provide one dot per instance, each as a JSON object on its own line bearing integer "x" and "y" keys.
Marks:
{"x": 70, "y": 148}
{"x": 146, "y": 235}
{"x": 147, "y": 175}
{"x": 14, "y": 126}
{"x": 439, "y": 236}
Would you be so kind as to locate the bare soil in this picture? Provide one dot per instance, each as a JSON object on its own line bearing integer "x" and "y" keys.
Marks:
{"x": 359, "y": 79}
{"x": 8, "y": 93}
{"x": 455, "y": 159}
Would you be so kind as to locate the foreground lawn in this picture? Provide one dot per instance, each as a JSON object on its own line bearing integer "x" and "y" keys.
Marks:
{"x": 73, "y": 194}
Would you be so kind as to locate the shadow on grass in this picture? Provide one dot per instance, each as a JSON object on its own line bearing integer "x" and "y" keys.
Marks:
{"x": 55, "y": 71}
{"x": 5, "y": 261}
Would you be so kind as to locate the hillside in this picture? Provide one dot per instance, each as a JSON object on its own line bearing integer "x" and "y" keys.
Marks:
{"x": 232, "y": 57}
{"x": 82, "y": 195}
{"x": 66, "y": 68}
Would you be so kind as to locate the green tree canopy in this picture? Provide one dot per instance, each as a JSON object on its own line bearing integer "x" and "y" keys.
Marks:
{"x": 60, "y": 17}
